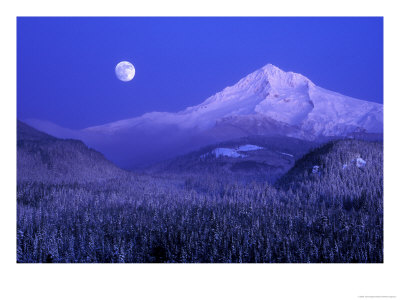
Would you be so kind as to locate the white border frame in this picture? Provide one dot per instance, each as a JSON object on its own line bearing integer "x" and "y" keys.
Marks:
{"x": 262, "y": 281}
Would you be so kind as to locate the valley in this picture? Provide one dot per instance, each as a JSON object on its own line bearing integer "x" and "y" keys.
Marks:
{"x": 265, "y": 206}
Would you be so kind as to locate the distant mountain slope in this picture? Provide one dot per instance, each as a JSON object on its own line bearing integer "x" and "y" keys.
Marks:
{"x": 266, "y": 102}
{"x": 28, "y": 133}
{"x": 254, "y": 158}
{"x": 41, "y": 157}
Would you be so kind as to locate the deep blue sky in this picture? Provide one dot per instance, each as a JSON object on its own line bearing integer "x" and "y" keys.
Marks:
{"x": 65, "y": 66}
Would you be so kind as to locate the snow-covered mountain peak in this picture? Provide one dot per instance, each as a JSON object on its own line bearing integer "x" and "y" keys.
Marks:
{"x": 261, "y": 83}
{"x": 270, "y": 91}
{"x": 281, "y": 79}
{"x": 267, "y": 98}
{"x": 269, "y": 101}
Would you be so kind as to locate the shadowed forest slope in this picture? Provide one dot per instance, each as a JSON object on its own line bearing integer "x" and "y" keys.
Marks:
{"x": 41, "y": 157}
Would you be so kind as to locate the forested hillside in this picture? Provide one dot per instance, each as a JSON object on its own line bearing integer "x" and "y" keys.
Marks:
{"x": 327, "y": 214}
{"x": 273, "y": 158}
{"x": 43, "y": 158}
{"x": 348, "y": 171}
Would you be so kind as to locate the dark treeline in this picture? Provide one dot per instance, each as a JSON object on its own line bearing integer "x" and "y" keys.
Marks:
{"x": 334, "y": 216}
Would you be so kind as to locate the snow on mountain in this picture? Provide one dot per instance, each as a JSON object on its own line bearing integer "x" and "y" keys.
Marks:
{"x": 218, "y": 152}
{"x": 287, "y": 154}
{"x": 286, "y": 99}
{"x": 245, "y": 148}
{"x": 267, "y": 102}
{"x": 233, "y": 152}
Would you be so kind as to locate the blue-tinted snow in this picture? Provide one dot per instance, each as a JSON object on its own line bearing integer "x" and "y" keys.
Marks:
{"x": 286, "y": 154}
{"x": 315, "y": 169}
{"x": 249, "y": 148}
{"x": 360, "y": 162}
{"x": 227, "y": 152}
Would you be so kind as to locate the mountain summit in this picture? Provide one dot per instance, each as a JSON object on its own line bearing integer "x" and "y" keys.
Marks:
{"x": 288, "y": 98}
{"x": 268, "y": 101}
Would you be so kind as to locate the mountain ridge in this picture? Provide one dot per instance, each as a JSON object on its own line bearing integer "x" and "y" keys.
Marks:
{"x": 286, "y": 97}
{"x": 41, "y": 157}
{"x": 268, "y": 101}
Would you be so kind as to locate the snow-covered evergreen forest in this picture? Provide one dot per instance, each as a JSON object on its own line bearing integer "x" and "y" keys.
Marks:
{"x": 329, "y": 214}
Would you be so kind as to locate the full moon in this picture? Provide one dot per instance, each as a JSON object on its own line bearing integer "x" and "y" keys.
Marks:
{"x": 125, "y": 71}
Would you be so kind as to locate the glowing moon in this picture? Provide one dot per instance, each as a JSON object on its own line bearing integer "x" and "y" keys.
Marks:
{"x": 125, "y": 71}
